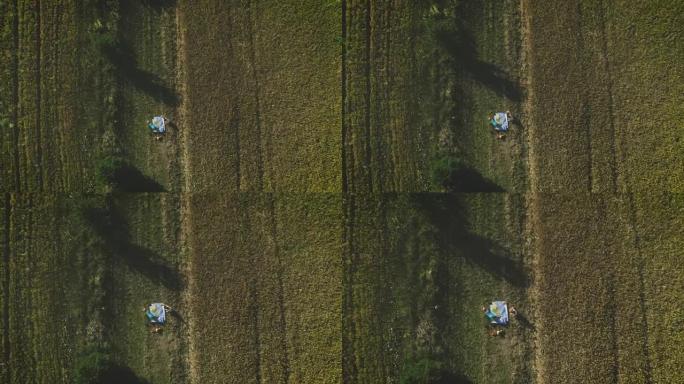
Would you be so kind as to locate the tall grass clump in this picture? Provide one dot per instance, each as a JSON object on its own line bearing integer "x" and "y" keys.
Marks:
{"x": 93, "y": 366}
{"x": 443, "y": 167}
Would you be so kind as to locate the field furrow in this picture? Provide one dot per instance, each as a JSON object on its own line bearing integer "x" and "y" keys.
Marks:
{"x": 386, "y": 127}
{"x": 6, "y": 235}
{"x": 8, "y": 97}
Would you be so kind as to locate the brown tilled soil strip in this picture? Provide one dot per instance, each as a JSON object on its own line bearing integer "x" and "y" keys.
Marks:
{"x": 15, "y": 98}
{"x": 642, "y": 287}
{"x": 585, "y": 108}
{"x": 631, "y": 211}
{"x": 386, "y": 172}
{"x": 252, "y": 19}
{"x": 254, "y": 315}
{"x": 5, "y": 290}
{"x": 25, "y": 295}
{"x": 367, "y": 74}
{"x": 349, "y": 369}
{"x": 345, "y": 124}
{"x": 531, "y": 198}
{"x": 39, "y": 146}
{"x": 282, "y": 321}
{"x": 186, "y": 188}
{"x": 609, "y": 90}
{"x": 348, "y": 361}
{"x": 253, "y": 293}
{"x": 611, "y": 309}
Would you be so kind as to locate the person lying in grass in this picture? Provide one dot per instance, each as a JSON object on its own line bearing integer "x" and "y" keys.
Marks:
{"x": 499, "y": 121}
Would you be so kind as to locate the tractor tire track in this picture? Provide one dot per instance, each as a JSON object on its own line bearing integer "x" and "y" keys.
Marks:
{"x": 343, "y": 90}
{"x": 349, "y": 368}
{"x": 368, "y": 158}
{"x": 532, "y": 198}
{"x": 185, "y": 241}
{"x": 6, "y": 347}
{"x": 15, "y": 99}
{"x": 252, "y": 19}
{"x": 282, "y": 320}
{"x": 611, "y": 309}
{"x": 609, "y": 90}
{"x": 39, "y": 144}
{"x": 388, "y": 172}
{"x": 254, "y": 307}
{"x": 626, "y": 190}
{"x": 641, "y": 266}
{"x": 585, "y": 108}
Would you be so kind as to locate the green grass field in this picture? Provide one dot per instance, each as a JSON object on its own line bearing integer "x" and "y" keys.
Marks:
{"x": 329, "y": 204}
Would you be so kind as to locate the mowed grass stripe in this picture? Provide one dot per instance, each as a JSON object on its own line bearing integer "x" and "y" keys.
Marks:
{"x": 359, "y": 178}
{"x": 146, "y": 88}
{"x": 483, "y": 46}
{"x": 386, "y": 128}
{"x": 618, "y": 50}
{"x": 566, "y": 171}
{"x": 19, "y": 292}
{"x": 309, "y": 231}
{"x": 67, "y": 130}
{"x": 577, "y": 270}
{"x": 42, "y": 306}
{"x": 259, "y": 341}
{"x": 269, "y": 291}
{"x": 362, "y": 327}
{"x": 28, "y": 98}
{"x": 48, "y": 313}
{"x": 261, "y": 82}
{"x": 221, "y": 272}
{"x": 50, "y": 143}
{"x": 6, "y": 271}
{"x": 298, "y": 96}
{"x": 56, "y": 27}
{"x": 146, "y": 269}
{"x": 213, "y": 120}
{"x": 9, "y": 96}
{"x": 659, "y": 220}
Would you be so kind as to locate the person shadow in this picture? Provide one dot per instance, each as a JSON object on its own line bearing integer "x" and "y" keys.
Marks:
{"x": 121, "y": 55}
{"x": 445, "y": 211}
{"x": 524, "y": 322}
{"x": 460, "y": 45}
{"x": 176, "y": 315}
{"x": 111, "y": 227}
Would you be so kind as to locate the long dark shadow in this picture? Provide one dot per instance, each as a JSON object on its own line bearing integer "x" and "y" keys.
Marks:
{"x": 111, "y": 227}
{"x": 129, "y": 179}
{"x": 453, "y": 235}
{"x": 468, "y": 179}
{"x": 492, "y": 257}
{"x": 453, "y": 378}
{"x": 160, "y": 4}
{"x": 459, "y": 43}
{"x": 122, "y": 57}
{"x": 119, "y": 374}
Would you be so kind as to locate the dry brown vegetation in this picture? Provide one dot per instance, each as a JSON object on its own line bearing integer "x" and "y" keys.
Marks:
{"x": 605, "y": 159}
